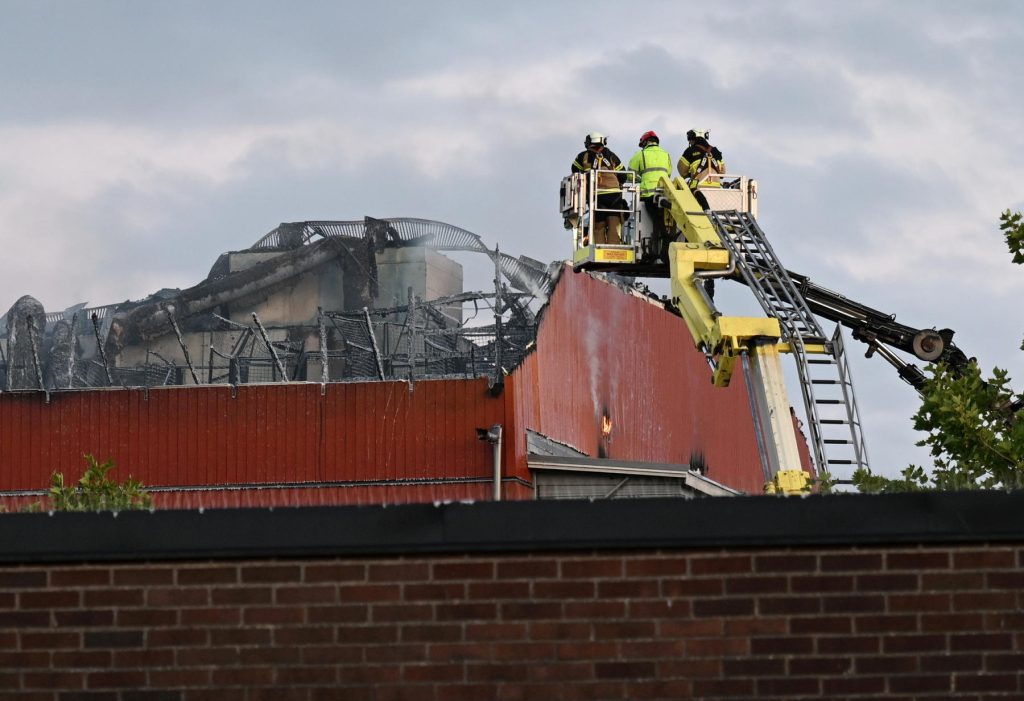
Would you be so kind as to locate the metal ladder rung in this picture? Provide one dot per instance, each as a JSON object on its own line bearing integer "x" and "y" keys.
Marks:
{"x": 841, "y": 462}
{"x": 833, "y": 422}
{"x": 838, "y": 441}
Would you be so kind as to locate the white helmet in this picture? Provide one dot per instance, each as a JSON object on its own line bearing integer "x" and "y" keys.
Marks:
{"x": 698, "y": 134}
{"x": 595, "y": 138}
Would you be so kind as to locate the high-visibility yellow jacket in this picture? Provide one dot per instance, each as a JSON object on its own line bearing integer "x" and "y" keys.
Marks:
{"x": 650, "y": 162}
{"x": 605, "y": 161}
{"x": 698, "y": 162}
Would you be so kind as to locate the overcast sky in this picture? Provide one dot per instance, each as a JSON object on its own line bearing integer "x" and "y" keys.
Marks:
{"x": 138, "y": 140}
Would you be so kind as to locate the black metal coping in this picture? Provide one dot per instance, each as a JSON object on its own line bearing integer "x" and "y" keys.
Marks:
{"x": 523, "y": 526}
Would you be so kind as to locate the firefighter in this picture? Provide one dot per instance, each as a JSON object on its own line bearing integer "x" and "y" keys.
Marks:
{"x": 607, "y": 220}
{"x": 699, "y": 160}
{"x": 650, "y": 163}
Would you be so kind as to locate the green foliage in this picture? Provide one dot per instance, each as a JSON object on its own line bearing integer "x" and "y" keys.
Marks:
{"x": 94, "y": 491}
{"x": 972, "y": 427}
{"x": 1012, "y": 226}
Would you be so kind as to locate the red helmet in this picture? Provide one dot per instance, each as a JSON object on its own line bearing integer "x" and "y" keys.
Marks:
{"x": 649, "y": 136}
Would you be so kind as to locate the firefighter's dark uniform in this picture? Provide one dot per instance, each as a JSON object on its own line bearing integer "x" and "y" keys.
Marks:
{"x": 698, "y": 161}
{"x": 606, "y": 225}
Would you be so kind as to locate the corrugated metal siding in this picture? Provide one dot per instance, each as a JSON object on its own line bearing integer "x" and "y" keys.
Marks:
{"x": 376, "y": 431}
{"x": 600, "y": 350}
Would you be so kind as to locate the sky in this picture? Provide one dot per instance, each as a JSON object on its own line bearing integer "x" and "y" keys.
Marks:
{"x": 138, "y": 140}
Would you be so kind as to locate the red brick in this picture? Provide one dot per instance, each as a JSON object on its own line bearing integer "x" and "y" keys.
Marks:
{"x": 338, "y": 614}
{"x": 178, "y": 678}
{"x": 954, "y": 581}
{"x": 320, "y": 594}
{"x": 244, "y": 677}
{"x": 628, "y": 588}
{"x": 659, "y": 609}
{"x": 207, "y": 657}
{"x": 433, "y": 672}
{"x": 888, "y": 582}
{"x": 618, "y": 630}
{"x": 524, "y": 610}
{"x": 692, "y": 587}
{"x": 467, "y": 692}
{"x": 755, "y": 626}
{"x": 503, "y": 631}
{"x": 377, "y": 654}
{"x": 854, "y": 604}
{"x": 398, "y": 572}
{"x": 791, "y": 645}
{"x": 368, "y": 593}
{"x": 453, "y": 652}
{"x": 853, "y": 686}
{"x": 368, "y": 634}
{"x": 527, "y": 569}
{"x": 848, "y": 645}
{"x": 921, "y": 683}
{"x": 276, "y": 693}
{"x": 1012, "y": 662}
{"x": 176, "y": 637}
{"x": 821, "y": 666}
{"x": 789, "y": 605}
{"x": 723, "y": 607}
{"x": 146, "y": 618}
{"x": 702, "y": 628}
{"x": 718, "y": 647}
{"x": 143, "y": 576}
{"x": 905, "y": 623}
{"x": 587, "y": 650}
{"x": 592, "y": 568}
{"x": 509, "y": 672}
{"x": 230, "y": 596}
{"x": 624, "y": 670}
{"x": 447, "y": 591}
{"x": 297, "y": 676}
{"x": 531, "y": 651}
{"x": 657, "y": 567}
{"x": 47, "y": 640}
{"x": 114, "y": 597}
{"x": 65, "y": 598}
{"x": 599, "y": 608}
{"x": 258, "y": 615}
{"x": 561, "y": 672}
{"x": 90, "y": 618}
{"x": 887, "y": 664}
{"x": 135, "y": 659}
{"x": 920, "y": 560}
{"x": 652, "y": 649}
{"x": 270, "y": 656}
{"x": 788, "y": 688}
{"x": 987, "y": 559}
{"x": 334, "y": 655}
{"x": 402, "y": 612}
{"x": 437, "y": 633}
{"x": 851, "y": 562}
{"x": 707, "y": 667}
{"x": 116, "y": 680}
{"x": 240, "y": 637}
{"x": 465, "y": 612}
{"x": 756, "y": 585}
{"x": 1004, "y": 580}
{"x": 723, "y": 564}
{"x": 823, "y": 624}
{"x": 943, "y": 662}
{"x": 219, "y": 616}
{"x": 987, "y": 682}
{"x": 463, "y": 570}
{"x": 207, "y": 575}
{"x": 899, "y": 603}
{"x": 22, "y": 579}
{"x": 786, "y": 563}
{"x": 754, "y": 667}
{"x": 80, "y": 577}
{"x": 8, "y": 600}
{"x": 564, "y": 590}
{"x": 986, "y": 601}
{"x": 263, "y": 574}
{"x": 981, "y": 641}
{"x": 53, "y": 680}
{"x": 955, "y": 622}
{"x": 913, "y": 643}
{"x": 736, "y": 688}
{"x": 178, "y": 596}
{"x": 675, "y": 689}
{"x": 338, "y": 573}
{"x": 821, "y": 584}
{"x": 27, "y": 660}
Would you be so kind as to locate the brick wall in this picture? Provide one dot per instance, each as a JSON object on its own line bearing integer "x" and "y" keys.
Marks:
{"x": 902, "y": 621}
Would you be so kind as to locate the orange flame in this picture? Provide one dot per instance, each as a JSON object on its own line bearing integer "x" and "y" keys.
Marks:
{"x": 606, "y": 427}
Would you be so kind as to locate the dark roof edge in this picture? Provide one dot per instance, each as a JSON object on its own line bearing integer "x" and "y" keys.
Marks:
{"x": 534, "y": 526}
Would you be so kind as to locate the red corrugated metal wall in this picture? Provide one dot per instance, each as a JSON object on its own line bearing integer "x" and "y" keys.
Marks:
{"x": 602, "y": 351}
{"x": 287, "y": 433}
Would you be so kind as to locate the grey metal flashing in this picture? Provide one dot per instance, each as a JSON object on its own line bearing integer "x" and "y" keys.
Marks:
{"x": 629, "y": 468}
{"x": 507, "y": 527}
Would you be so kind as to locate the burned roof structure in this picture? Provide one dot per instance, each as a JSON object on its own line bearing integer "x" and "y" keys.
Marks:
{"x": 326, "y": 301}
